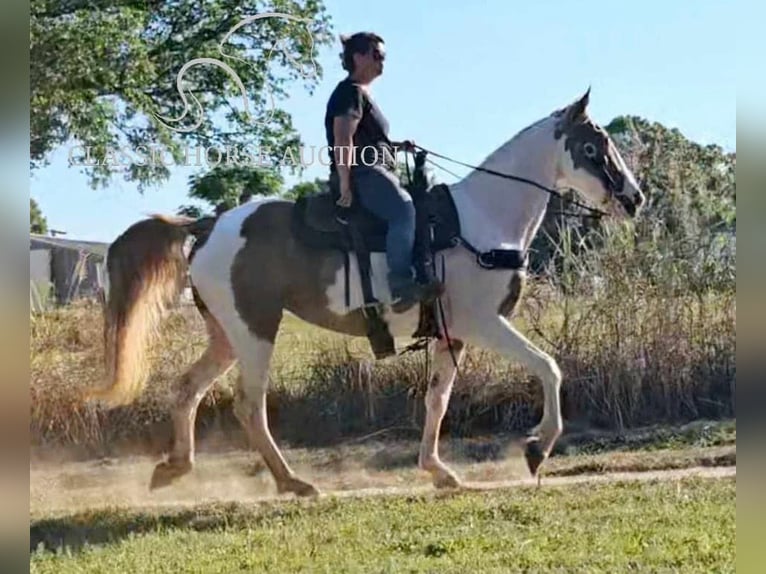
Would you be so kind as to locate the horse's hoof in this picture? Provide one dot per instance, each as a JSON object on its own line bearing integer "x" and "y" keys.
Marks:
{"x": 165, "y": 473}
{"x": 534, "y": 455}
{"x": 96, "y": 396}
{"x": 447, "y": 480}
{"x": 298, "y": 487}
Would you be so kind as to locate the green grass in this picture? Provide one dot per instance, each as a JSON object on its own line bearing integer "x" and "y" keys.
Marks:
{"x": 673, "y": 526}
{"x": 697, "y": 434}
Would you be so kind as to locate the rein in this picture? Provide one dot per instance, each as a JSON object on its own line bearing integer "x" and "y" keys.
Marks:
{"x": 596, "y": 212}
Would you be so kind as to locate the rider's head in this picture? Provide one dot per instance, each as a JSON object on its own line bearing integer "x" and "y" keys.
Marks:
{"x": 363, "y": 55}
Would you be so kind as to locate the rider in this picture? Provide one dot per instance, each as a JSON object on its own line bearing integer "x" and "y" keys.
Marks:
{"x": 363, "y": 158}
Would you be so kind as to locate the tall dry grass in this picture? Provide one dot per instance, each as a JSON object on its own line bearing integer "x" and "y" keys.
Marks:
{"x": 644, "y": 331}
{"x": 644, "y": 342}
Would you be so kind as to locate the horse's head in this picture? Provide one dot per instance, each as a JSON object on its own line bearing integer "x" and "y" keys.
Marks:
{"x": 590, "y": 163}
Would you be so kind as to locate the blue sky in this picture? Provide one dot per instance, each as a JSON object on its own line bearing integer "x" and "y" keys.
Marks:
{"x": 461, "y": 81}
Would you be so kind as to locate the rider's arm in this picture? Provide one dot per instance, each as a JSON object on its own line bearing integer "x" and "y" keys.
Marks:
{"x": 344, "y": 128}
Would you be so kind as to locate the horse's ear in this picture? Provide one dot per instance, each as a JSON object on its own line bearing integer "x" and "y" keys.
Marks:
{"x": 577, "y": 110}
{"x": 343, "y": 38}
{"x": 573, "y": 113}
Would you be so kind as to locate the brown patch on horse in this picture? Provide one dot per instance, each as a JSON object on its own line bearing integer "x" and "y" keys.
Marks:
{"x": 589, "y": 146}
{"x": 515, "y": 287}
{"x": 443, "y": 347}
{"x": 274, "y": 272}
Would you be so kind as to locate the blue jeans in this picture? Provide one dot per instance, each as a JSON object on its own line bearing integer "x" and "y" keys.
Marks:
{"x": 380, "y": 192}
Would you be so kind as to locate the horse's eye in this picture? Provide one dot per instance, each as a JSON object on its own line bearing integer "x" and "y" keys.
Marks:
{"x": 589, "y": 150}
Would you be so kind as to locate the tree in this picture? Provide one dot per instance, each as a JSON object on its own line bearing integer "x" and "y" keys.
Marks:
{"x": 225, "y": 187}
{"x": 37, "y": 222}
{"x": 686, "y": 183}
{"x": 305, "y": 188}
{"x": 101, "y": 72}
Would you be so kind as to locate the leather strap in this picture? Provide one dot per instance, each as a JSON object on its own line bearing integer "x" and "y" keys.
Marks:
{"x": 363, "y": 257}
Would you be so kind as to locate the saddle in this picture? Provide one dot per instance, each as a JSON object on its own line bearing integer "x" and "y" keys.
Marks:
{"x": 320, "y": 223}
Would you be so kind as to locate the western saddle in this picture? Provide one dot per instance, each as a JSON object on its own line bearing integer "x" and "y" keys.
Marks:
{"x": 319, "y": 222}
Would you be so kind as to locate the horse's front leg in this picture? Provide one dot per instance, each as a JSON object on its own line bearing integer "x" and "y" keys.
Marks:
{"x": 498, "y": 335}
{"x": 437, "y": 399}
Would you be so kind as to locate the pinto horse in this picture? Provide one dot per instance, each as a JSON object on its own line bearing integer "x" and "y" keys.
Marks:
{"x": 247, "y": 267}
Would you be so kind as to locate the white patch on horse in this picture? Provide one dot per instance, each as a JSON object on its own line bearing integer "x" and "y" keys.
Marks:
{"x": 400, "y": 324}
{"x": 336, "y": 292}
{"x": 497, "y": 213}
{"x": 630, "y": 178}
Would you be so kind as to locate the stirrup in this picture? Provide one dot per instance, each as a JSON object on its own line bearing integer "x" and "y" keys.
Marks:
{"x": 381, "y": 341}
{"x": 372, "y": 309}
{"x": 402, "y": 305}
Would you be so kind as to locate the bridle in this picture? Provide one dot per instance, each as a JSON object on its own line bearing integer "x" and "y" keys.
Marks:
{"x": 595, "y": 212}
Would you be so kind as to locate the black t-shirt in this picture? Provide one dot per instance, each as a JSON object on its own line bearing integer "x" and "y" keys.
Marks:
{"x": 371, "y": 136}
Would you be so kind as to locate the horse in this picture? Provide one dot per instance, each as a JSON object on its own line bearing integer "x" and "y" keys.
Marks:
{"x": 247, "y": 268}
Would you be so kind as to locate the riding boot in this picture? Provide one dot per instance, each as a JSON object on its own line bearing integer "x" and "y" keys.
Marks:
{"x": 405, "y": 292}
{"x": 421, "y": 251}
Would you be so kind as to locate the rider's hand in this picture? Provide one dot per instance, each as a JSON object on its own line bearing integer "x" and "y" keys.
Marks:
{"x": 345, "y": 196}
{"x": 408, "y": 145}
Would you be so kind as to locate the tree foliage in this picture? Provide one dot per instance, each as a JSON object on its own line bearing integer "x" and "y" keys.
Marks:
{"x": 100, "y": 71}
{"x": 689, "y": 186}
{"x": 305, "y": 188}
{"x": 37, "y": 222}
{"x": 225, "y": 187}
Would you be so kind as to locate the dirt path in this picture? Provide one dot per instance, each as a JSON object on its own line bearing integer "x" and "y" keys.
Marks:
{"x": 673, "y": 474}
{"x": 59, "y": 487}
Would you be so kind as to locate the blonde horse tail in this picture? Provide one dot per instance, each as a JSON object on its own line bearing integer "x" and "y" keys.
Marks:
{"x": 146, "y": 270}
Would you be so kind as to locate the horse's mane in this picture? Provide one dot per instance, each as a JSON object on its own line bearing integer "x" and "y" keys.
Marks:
{"x": 523, "y": 131}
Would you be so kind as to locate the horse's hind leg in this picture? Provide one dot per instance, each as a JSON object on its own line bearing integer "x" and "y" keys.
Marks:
{"x": 437, "y": 399}
{"x": 255, "y": 353}
{"x": 191, "y": 387}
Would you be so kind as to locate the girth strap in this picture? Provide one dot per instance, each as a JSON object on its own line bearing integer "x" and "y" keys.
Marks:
{"x": 497, "y": 258}
{"x": 502, "y": 259}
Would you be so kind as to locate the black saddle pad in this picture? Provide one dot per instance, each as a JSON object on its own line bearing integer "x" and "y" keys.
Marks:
{"x": 321, "y": 214}
{"x": 316, "y": 221}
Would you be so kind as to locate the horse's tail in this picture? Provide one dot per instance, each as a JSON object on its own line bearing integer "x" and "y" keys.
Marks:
{"x": 146, "y": 269}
